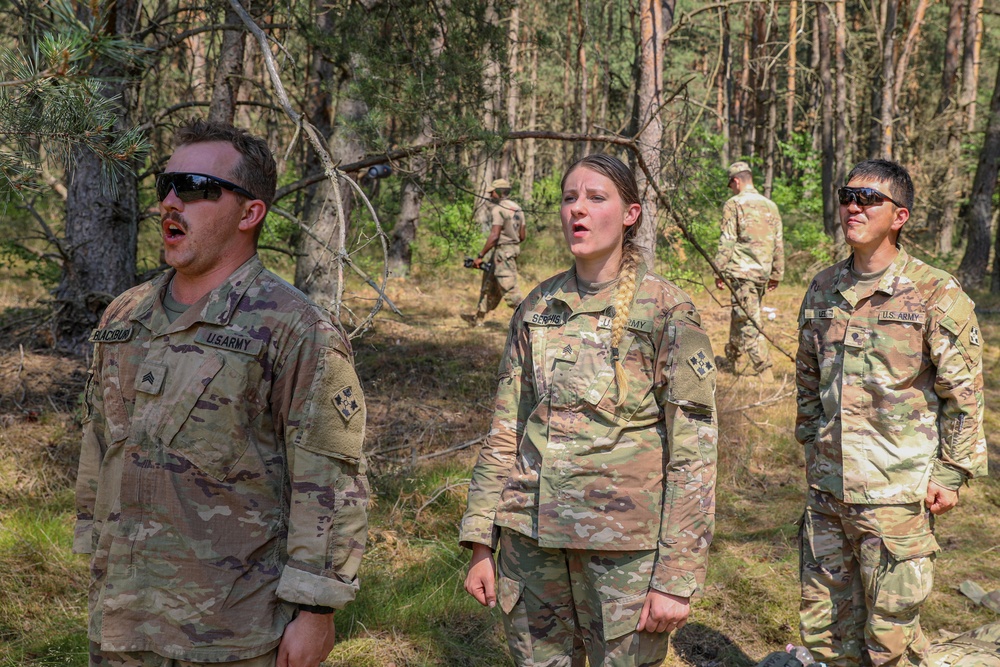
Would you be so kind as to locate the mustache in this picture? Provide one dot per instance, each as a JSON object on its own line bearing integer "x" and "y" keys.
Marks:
{"x": 174, "y": 216}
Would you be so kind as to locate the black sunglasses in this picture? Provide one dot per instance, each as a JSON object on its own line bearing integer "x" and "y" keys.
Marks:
{"x": 192, "y": 187}
{"x": 864, "y": 197}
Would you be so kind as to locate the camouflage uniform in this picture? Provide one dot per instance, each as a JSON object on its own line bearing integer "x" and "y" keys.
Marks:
{"x": 751, "y": 252}
{"x": 976, "y": 648}
{"x": 221, "y": 480}
{"x": 569, "y": 475}
{"x": 501, "y": 281}
{"x": 889, "y": 397}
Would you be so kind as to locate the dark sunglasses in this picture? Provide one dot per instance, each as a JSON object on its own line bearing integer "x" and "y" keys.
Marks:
{"x": 193, "y": 187}
{"x": 864, "y": 197}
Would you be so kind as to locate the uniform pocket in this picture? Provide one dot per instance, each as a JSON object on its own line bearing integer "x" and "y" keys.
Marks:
{"x": 509, "y": 593}
{"x": 620, "y": 616}
{"x": 906, "y": 575}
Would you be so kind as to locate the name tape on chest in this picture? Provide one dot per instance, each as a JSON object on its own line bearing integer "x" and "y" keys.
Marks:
{"x": 228, "y": 340}
{"x": 547, "y": 320}
{"x": 116, "y": 334}
{"x": 893, "y": 316}
{"x": 819, "y": 313}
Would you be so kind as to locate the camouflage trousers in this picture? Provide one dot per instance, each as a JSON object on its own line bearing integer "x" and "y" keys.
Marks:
{"x": 500, "y": 281}
{"x": 977, "y": 648}
{"x": 743, "y": 335}
{"x": 563, "y": 606}
{"x": 865, "y": 570}
{"x": 99, "y": 658}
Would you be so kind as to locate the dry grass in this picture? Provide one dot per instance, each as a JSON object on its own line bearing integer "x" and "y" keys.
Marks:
{"x": 429, "y": 383}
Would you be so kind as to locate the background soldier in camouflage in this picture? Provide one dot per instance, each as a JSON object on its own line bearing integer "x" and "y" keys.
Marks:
{"x": 221, "y": 489}
{"x": 506, "y": 234}
{"x": 752, "y": 256}
{"x": 597, "y": 479}
{"x": 890, "y": 411}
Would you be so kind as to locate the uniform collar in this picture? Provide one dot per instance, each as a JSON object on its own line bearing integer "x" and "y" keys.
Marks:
{"x": 886, "y": 284}
{"x": 216, "y": 307}
{"x": 566, "y": 291}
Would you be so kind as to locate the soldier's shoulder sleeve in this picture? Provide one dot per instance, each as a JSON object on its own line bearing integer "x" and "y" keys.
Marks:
{"x": 691, "y": 370}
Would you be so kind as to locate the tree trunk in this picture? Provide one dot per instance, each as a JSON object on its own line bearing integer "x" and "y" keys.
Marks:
{"x": 887, "y": 101}
{"x": 831, "y": 223}
{"x": 647, "y": 118}
{"x": 841, "y": 144}
{"x": 513, "y": 90}
{"x": 486, "y": 169}
{"x": 973, "y": 268}
{"x": 793, "y": 36}
{"x": 952, "y": 51}
{"x": 528, "y": 178}
{"x": 748, "y": 113}
{"x": 909, "y": 46}
{"x": 762, "y": 76}
{"x": 725, "y": 88}
{"x": 101, "y": 227}
{"x": 970, "y": 66}
{"x": 229, "y": 68}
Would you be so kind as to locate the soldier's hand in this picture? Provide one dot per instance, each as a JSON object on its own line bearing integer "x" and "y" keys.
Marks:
{"x": 307, "y": 640}
{"x": 663, "y": 612}
{"x": 939, "y": 499}
{"x": 477, "y": 262}
{"x": 480, "y": 582}
{"x": 719, "y": 284}
{"x": 772, "y": 285}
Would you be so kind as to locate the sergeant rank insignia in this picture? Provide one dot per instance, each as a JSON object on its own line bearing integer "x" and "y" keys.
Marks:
{"x": 701, "y": 363}
{"x": 346, "y": 403}
{"x": 974, "y": 335}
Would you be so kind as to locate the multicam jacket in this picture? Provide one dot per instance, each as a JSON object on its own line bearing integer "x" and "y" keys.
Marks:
{"x": 221, "y": 476}
{"x": 564, "y": 465}
{"x": 507, "y": 214}
{"x": 752, "y": 243}
{"x": 890, "y": 384}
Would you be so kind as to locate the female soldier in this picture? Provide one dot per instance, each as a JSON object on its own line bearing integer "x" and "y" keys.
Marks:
{"x": 597, "y": 480}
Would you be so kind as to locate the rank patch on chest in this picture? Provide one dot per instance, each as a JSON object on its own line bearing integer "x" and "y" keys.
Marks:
{"x": 149, "y": 378}
{"x": 346, "y": 402}
{"x": 974, "y": 335}
{"x": 702, "y": 364}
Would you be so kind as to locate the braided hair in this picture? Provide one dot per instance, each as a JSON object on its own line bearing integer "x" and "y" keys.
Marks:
{"x": 624, "y": 181}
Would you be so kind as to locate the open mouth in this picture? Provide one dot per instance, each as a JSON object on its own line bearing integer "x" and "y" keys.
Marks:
{"x": 173, "y": 229}
{"x": 578, "y": 227}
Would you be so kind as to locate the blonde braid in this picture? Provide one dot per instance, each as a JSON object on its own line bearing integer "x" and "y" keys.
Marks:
{"x": 623, "y": 303}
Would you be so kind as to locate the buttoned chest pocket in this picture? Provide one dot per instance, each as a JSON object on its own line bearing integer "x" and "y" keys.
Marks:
{"x": 827, "y": 335}
{"x": 208, "y": 404}
{"x": 895, "y": 348}
{"x": 113, "y": 385}
{"x": 604, "y": 393}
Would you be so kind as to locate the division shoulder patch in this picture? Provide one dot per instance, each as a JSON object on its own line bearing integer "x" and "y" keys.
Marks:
{"x": 702, "y": 364}
{"x": 346, "y": 402}
{"x": 974, "y": 335}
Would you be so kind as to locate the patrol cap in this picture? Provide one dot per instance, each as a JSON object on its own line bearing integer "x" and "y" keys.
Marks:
{"x": 500, "y": 184}
{"x": 737, "y": 168}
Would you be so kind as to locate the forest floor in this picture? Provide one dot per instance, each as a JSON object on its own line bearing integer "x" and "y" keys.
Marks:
{"x": 429, "y": 382}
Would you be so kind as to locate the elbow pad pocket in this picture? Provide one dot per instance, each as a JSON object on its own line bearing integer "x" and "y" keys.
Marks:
{"x": 691, "y": 375}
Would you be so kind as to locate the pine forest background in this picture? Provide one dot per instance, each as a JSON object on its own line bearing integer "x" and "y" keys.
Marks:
{"x": 421, "y": 103}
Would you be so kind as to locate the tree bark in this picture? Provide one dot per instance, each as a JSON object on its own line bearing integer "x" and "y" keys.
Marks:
{"x": 830, "y": 219}
{"x": 977, "y": 254}
{"x": 952, "y": 54}
{"x": 887, "y": 102}
{"x": 725, "y": 88}
{"x": 970, "y": 66}
{"x": 581, "y": 77}
{"x": 486, "y": 167}
{"x": 528, "y": 178}
{"x": 909, "y": 47}
{"x": 793, "y": 36}
{"x": 647, "y": 119}
{"x": 228, "y": 70}
{"x": 513, "y": 89}
{"x": 101, "y": 227}
{"x": 842, "y": 146}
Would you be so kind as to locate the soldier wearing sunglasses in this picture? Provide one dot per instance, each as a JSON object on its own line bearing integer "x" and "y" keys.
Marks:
{"x": 221, "y": 490}
{"x": 890, "y": 412}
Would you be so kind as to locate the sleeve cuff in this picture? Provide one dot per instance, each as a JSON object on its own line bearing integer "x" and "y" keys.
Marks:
{"x": 304, "y": 588}
{"x": 477, "y": 530}
{"x": 83, "y": 541}
{"x": 666, "y": 579}
{"x": 947, "y": 476}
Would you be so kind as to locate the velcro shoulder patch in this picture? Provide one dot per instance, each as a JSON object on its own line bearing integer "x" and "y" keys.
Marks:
{"x": 691, "y": 374}
{"x": 335, "y": 425}
{"x": 958, "y": 316}
{"x": 228, "y": 340}
{"x": 116, "y": 333}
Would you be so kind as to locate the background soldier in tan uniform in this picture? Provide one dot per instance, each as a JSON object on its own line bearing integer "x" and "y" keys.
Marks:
{"x": 890, "y": 411}
{"x": 221, "y": 489}
{"x": 752, "y": 256}
{"x": 597, "y": 479}
{"x": 506, "y": 234}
